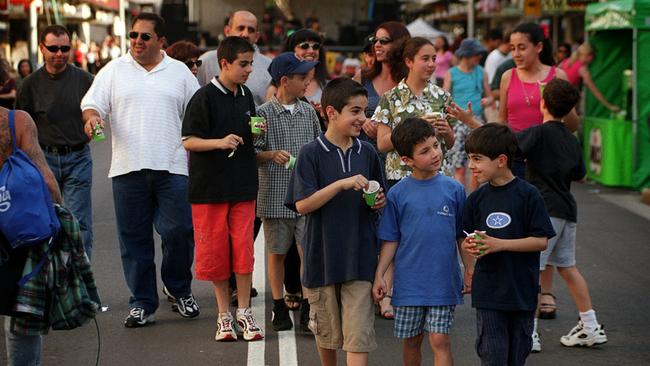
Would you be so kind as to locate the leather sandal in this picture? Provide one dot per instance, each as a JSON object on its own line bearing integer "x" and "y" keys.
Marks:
{"x": 547, "y": 310}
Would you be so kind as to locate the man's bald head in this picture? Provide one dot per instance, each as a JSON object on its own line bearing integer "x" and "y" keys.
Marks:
{"x": 243, "y": 24}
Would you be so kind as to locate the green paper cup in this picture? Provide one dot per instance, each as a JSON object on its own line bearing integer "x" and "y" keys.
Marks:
{"x": 370, "y": 193}
{"x": 98, "y": 133}
{"x": 290, "y": 164}
{"x": 477, "y": 236}
{"x": 256, "y": 125}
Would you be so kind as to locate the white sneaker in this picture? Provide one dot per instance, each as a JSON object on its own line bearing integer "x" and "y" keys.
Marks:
{"x": 225, "y": 328}
{"x": 249, "y": 327}
{"x": 579, "y": 336}
{"x": 537, "y": 344}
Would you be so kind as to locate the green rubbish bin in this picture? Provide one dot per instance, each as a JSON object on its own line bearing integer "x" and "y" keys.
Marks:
{"x": 608, "y": 151}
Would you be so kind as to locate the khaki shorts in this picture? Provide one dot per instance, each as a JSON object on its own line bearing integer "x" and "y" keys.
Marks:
{"x": 342, "y": 316}
{"x": 280, "y": 233}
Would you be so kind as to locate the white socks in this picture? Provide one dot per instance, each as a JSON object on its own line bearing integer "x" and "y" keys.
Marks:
{"x": 535, "y": 325}
{"x": 589, "y": 320}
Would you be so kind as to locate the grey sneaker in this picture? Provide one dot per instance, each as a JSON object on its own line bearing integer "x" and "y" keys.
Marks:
{"x": 138, "y": 318}
{"x": 579, "y": 336}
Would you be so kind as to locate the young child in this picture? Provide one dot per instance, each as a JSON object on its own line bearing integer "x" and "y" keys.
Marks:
{"x": 510, "y": 216}
{"x": 291, "y": 123}
{"x": 421, "y": 230}
{"x": 554, "y": 159}
{"x": 223, "y": 184}
{"x": 339, "y": 246}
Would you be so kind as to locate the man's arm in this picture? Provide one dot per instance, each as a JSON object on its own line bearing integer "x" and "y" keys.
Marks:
{"x": 27, "y": 139}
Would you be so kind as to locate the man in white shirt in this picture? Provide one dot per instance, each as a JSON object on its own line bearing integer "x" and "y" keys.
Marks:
{"x": 494, "y": 59}
{"x": 145, "y": 93}
{"x": 241, "y": 24}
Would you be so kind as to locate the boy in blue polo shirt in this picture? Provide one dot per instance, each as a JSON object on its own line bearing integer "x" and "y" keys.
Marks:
{"x": 510, "y": 216}
{"x": 421, "y": 229}
{"x": 339, "y": 246}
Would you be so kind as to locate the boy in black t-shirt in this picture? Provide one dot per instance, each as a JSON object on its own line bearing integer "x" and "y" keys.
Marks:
{"x": 554, "y": 159}
{"x": 509, "y": 215}
{"x": 223, "y": 184}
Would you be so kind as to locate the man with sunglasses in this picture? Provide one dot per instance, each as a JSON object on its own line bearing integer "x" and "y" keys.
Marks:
{"x": 51, "y": 95}
{"x": 243, "y": 24}
{"x": 145, "y": 93}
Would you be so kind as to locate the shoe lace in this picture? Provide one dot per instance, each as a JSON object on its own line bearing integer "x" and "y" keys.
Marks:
{"x": 136, "y": 312}
{"x": 250, "y": 322}
{"x": 226, "y": 321}
{"x": 188, "y": 302}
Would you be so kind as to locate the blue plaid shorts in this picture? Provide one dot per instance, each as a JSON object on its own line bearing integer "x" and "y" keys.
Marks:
{"x": 411, "y": 321}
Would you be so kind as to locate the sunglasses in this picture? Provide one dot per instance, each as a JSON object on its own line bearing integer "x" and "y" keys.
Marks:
{"x": 143, "y": 36}
{"x": 55, "y": 49}
{"x": 306, "y": 45}
{"x": 383, "y": 40}
{"x": 191, "y": 63}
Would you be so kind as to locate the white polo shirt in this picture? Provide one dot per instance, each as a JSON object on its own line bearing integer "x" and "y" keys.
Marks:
{"x": 146, "y": 110}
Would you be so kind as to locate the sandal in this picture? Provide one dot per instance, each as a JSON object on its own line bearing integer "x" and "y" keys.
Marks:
{"x": 292, "y": 301}
{"x": 386, "y": 312}
{"x": 547, "y": 310}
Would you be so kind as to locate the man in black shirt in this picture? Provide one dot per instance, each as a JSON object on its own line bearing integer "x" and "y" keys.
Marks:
{"x": 52, "y": 95}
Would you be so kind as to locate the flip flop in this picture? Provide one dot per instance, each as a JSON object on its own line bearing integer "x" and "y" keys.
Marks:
{"x": 294, "y": 299}
{"x": 547, "y": 310}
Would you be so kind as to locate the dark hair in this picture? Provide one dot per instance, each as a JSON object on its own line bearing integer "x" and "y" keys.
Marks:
{"x": 535, "y": 35}
{"x": 560, "y": 97}
{"x": 492, "y": 140}
{"x": 55, "y": 29}
{"x": 31, "y": 68}
{"x": 494, "y": 34}
{"x": 409, "y": 133}
{"x": 445, "y": 43}
{"x": 566, "y": 46}
{"x": 231, "y": 47}
{"x": 396, "y": 31}
{"x": 5, "y": 68}
{"x": 308, "y": 35}
{"x": 338, "y": 92}
{"x": 183, "y": 51}
{"x": 404, "y": 49}
{"x": 159, "y": 25}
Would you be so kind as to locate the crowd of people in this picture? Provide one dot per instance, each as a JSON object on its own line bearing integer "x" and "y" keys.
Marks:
{"x": 358, "y": 182}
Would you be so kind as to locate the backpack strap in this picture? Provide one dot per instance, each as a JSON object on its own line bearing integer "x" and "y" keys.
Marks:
{"x": 37, "y": 268}
{"x": 12, "y": 128}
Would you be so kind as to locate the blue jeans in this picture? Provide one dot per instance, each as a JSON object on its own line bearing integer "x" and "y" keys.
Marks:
{"x": 149, "y": 198}
{"x": 74, "y": 174}
{"x": 504, "y": 337}
{"x": 22, "y": 350}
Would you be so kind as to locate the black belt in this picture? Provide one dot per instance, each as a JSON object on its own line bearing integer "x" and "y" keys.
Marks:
{"x": 62, "y": 150}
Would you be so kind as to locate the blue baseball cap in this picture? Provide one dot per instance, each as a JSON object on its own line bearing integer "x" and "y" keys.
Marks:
{"x": 288, "y": 64}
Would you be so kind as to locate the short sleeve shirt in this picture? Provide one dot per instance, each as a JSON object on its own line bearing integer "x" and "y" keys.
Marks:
{"x": 286, "y": 131}
{"x": 425, "y": 218}
{"x": 215, "y": 112}
{"x": 340, "y": 242}
{"x": 507, "y": 280}
{"x": 400, "y": 103}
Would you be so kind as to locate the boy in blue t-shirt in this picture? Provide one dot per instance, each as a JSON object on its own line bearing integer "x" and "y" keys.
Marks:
{"x": 554, "y": 159}
{"x": 421, "y": 230}
{"x": 339, "y": 245}
{"x": 510, "y": 216}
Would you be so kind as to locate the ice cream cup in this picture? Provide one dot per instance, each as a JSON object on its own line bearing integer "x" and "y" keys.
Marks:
{"x": 291, "y": 163}
{"x": 256, "y": 125}
{"x": 370, "y": 193}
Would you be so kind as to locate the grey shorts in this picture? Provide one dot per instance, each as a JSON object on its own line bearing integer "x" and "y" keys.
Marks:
{"x": 561, "y": 250}
{"x": 280, "y": 233}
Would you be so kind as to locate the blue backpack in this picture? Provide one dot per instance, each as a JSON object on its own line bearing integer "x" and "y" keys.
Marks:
{"x": 27, "y": 214}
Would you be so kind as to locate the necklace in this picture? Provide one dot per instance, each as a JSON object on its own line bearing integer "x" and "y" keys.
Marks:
{"x": 529, "y": 99}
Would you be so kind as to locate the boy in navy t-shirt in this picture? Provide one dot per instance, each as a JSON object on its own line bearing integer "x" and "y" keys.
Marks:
{"x": 421, "y": 230}
{"x": 339, "y": 246}
{"x": 554, "y": 159}
{"x": 511, "y": 218}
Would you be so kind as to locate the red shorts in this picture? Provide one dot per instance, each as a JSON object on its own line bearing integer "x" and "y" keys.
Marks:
{"x": 223, "y": 239}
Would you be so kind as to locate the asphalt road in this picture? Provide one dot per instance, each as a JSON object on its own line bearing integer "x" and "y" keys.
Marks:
{"x": 613, "y": 253}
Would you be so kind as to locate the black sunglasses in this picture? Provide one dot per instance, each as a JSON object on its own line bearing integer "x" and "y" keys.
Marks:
{"x": 383, "y": 40}
{"x": 191, "y": 63}
{"x": 55, "y": 49}
{"x": 144, "y": 36}
{"x": 306, "y": 45}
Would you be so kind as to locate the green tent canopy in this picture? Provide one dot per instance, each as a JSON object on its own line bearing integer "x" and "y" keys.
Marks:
{"x": 617, "y": 148}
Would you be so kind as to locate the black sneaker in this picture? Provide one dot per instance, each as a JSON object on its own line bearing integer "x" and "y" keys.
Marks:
{"x": 304, "y": 316}
{"x": 280, "y": 318}
{"x": 138, "y": 318}
{"x": 186, "y": 306}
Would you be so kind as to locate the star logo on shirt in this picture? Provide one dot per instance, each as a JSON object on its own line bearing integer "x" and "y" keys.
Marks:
{"x": 498, "y": 220}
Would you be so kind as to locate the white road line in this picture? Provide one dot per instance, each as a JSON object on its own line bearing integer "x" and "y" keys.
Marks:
{"x": 287, "y": 345}
{"x": 256, "y": 349}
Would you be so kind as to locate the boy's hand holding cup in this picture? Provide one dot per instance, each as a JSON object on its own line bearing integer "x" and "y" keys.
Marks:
{"x": 475, "y": 244}
{"x": 357, "y": 183}
{"x": 373, "y": 194}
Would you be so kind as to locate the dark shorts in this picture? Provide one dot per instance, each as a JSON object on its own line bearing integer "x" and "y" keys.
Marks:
{"x": 504, "y": 337}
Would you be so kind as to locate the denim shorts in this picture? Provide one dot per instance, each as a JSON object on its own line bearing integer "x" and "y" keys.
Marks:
{"x": 411, "y": 321}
